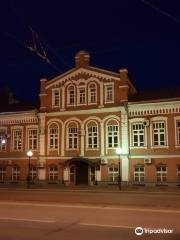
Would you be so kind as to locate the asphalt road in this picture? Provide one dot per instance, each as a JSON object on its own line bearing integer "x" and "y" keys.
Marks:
{"x": 31, "y": 221}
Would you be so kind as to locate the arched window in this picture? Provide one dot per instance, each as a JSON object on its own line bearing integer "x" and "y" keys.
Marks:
{"x": 92, "y": 135}
{"x": 92, "y": 93}
{"x": 53, "y": 136}
{"x": 112, "y": 134}
{"x": 71, "y": 96}
{"x": 72, "y": 132}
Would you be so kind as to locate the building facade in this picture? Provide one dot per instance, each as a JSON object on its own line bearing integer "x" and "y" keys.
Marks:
{"x": 85, "y": 115}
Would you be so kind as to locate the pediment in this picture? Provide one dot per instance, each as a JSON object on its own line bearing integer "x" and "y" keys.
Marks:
{"x": 82, "y": 73}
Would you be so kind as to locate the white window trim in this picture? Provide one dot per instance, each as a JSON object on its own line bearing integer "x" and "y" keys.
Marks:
{"x": 156, "y": 119}
{"x": 78, "y": 95}
{"x": 117, "y": 124}
{"x": 33, "y": 127}
{"x": 89, "y": 94}
{"x": 105, "y": 95}
{"x": 138, "y": 166}
{"x": 12, "y": 139}
{"x": 137, "y": 120}
{"x": 161, "y": 174}
{"x": 95, "y": 124}
{"x": 67, "y": 137}
{"x": 49, "y": 126}
{"x": 68, "y": 96}
{"x": 177, "y": 118}
{"x": 53, "y": 97}
{"x": 5, "y": 130}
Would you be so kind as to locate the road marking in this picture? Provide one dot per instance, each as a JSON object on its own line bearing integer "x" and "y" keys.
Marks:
{"x": 138, "y": 209}
{"x": 106, "y": 225}
{"x": 27, "y": 220}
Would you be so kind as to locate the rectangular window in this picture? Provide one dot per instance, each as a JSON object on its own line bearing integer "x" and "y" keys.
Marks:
{"x": 92, "y": 137}
{"x": 71, "y": 97}
{"x": 113, "y": 136}
{"x": 178, "y": 173}
{"x": 33, "y": 173}
{"x": 161, "y": 173}
{"x": 73, "y": 138}
{"x": 17, "y": 139}
{"x": 139, "y": 174}
{"x": 92, "y": 95}
{"x": 138, "y": 134}
{"x": 15, "y": 174}
{"x": 2, "y": 174}
{"x": 178, "y": 132}
{"x": 53, "y": 138}
{"x": 3, "y": 140}
{"x": 32, "y": 139}
{"x": 159, "y": 137}
{"x": 82, "y": 95}
{"x": 56, "y": 98}
{"x": 53, "y": 173}
{"x": 113, "y": 173}
{"x": 109, "y": 93}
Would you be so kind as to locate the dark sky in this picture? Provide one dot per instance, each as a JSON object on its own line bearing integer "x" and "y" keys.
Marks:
{"x": 144, "y": 38}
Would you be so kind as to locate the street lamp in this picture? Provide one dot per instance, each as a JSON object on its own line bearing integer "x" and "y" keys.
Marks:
{"x": 119, "y": 151}
{"x": 29, "y": 154}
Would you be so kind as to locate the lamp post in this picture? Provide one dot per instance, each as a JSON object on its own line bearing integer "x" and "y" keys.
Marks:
{"x": 119, "y": 151}
{"x": 29, "y": 154}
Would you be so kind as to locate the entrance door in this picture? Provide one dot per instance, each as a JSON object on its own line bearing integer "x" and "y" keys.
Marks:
{"x": 81, "y": 173}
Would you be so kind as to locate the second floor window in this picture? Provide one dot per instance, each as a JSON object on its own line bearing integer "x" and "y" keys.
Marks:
{"x": 138, "y": 134}
{"x": 53, "y": 138}
{"x": 92, "y": 94}
{"x": 56, "y": 98}
{"x": 72, "y": 138}
{"x": 159, "y": 137}
{"x": 82, "y": 95}
{"x": 17, "y": 139}
{"x": 92, "y": 137}
{"x": 178, "y": 132}
{"x": 32, "y": 139}
{"x": 109, "y": 93}
{"x": 71, "y": 96}
{"x": 113, "y": 136}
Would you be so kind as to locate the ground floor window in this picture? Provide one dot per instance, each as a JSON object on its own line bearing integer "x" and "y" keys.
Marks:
{"x": 15, "y": 174}
{"x": 33, "y": 173}
{"x": 139, "y": 174}
{"x": 161, "y": 173}
{"x": 2, "y": 173}
{"x": 113, "y": 172}
{"x": 53, "y": 173}
{"x": 178, "y": 173}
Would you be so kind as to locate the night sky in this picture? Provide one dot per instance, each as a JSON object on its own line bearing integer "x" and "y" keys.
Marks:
{"x": 143, "y": 36}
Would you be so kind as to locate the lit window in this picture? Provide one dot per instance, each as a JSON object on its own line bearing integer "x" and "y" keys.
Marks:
{"x": 113, "y": 136}
{"x": 53, "y": 173}
{"x": 73, "y": 138}
{"x": 3, "y": 140}
{"x": 159, "y": 138}
{"x": 56, "y": 97}
{"x": 92, "y": 137}
{"x": 32, "y": 139}
{"x": 161, "y": 173}
{"x": 109, "y": 93}
{"x": 17, "y": 139}
{"x": 138, "y": 134}
{"x": 2, "y": 174}
{"x": 53, "y": 138}
{"x": 113, "y": 173}
{"x": 139, "y": 174}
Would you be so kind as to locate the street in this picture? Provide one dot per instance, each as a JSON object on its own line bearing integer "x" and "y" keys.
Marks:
{"x": 44, "y": 219}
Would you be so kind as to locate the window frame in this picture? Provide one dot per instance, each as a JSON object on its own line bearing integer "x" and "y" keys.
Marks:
{"x": 161, "y": 174}
{"x": 139, "y": 174}
{"x": 53, "y": 136}
{"x": 13, "y": 130}
{"x": 54, "y": 91}
{"x": 69, "y": 104}
{"x": 113, "y": 175}
{"x": 90, "y": 95}
{"x": 106, "y": 100}
{"x": 32, "y": 145}
{"x": 113, "y": 136}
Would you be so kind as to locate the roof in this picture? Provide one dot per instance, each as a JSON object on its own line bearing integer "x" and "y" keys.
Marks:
{"x": 156, "y": 95}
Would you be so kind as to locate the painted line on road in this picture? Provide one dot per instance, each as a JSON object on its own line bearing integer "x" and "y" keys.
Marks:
{"x": 106, "y": 225}
{"x": 27, "y": 220}
{"x": 138, "y": 209}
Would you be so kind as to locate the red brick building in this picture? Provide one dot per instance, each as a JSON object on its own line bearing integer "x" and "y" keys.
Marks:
{"x": 85, "y": 114}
